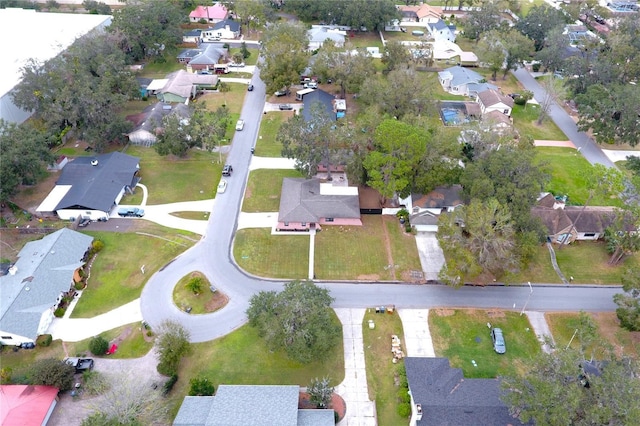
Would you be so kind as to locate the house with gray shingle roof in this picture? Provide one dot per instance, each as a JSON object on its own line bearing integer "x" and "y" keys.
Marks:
{"x": 439, "y": 30}
{"x": 90, "y": 187}
{"x": 46, "y": 269}
{"x": 250, "y": 405}
{"x": 145, "y": 133}
{"x": 440, "y": 395}
{"x": 308, "y": 203}
{"x": 318, "y": 34}
{"x": 182, "y": 85}
{"x": 456, "y": 80}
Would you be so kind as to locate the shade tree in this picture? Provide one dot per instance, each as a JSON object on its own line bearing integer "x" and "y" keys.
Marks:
{"x": 284, "y": 49}
{"x": 347, "y": 67}
{"x": 628, "y": 310}
{"x": 540, "y": 21}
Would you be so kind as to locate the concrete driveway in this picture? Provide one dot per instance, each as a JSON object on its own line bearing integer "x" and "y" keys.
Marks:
{"x": 431, "y": 256}
{"x": 417, "y": 337}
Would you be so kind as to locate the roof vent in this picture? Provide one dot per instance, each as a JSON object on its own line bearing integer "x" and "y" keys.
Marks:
{"x": 27, "y": 289}
{"x": 94, "y": 162}
{"x": 13, "y": 269}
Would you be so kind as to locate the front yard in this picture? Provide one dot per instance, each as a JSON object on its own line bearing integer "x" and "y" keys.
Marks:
{"x": 263, "y": 189}
{"x": 524, "y": 120}
{"x": 267, "y": 146}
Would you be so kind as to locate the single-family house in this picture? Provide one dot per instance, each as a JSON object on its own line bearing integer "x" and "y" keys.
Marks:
{"x": 186, "y": 55}
{"x": 445, "y": 50}
{"x": 318, "y": 34}
{"x": 310, "y": 203}
{"x": 209, "y": 14}
{"x": 208, "y": 55}
{"x": 421, "y": 13}
{"x": 439, "y": 30}
{"x": 45, "y": 271}
{"x": 192, "y": 36}
{"x": 183, "y": 86}
{"x": 90, "y": 187}
{"x": 456, "y": 80}
{"x": 226, "y": 29}
{"x": 442, "y": 396}
{"x": 250, "y": 405}
{"x": 27, "y": 405}
{"x": 150, "y": 124}
{"x": 322, "y": 97}
{"x": 498, "y": 122}
{"x": 424, "y": 209}
{"x": 492, "y": 100}
{"x": 143, "y": 84}
{"x": 577, "y": 34}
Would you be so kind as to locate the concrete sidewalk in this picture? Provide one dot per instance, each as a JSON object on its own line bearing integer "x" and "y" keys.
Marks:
{"x": 417, "y": 337}
{"x": 360, "y": 410}
{"x": 271, "y": 163}
{"x": 161, "y": 214}
{"x": 541, "y": 328}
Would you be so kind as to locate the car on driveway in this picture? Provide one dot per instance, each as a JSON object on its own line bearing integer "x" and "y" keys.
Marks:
{"x": 240, "y": 125}
{"x": 311, "y": 85}
{"x": 227, "y": 170}
{"x": 285, "y": 107}
{"x": 130, "y": 212}
{"x": 222, "y": 186}
{"x": 498, "y": 340}
{"x": 282, "y": 92}
{"x": 84, "y": 222}
{"x": 80, "y": 364}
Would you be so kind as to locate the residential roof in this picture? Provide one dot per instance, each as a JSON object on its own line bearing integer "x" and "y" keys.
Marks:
{"x": 424, "y": 218}
{"x": 96, "y": 181}
{"x": 493, "y": 97}
{"x": 440, "y": 197}
{"x": 447, "y": 398}
{"x": 591, "y": 218}
{"x": 460, "y": 75}
{"x": 153, "y": 115}
{"x": 250, "y": 405}
{"x": 475, "y": 88}
{"x": 217, "y": 11}
{"x": 182, "y": 83}
{"x": 319, "y": 34}
{"x": 321, "y": 96}
{"x": 26, "y": 405}
{"x": 43, "y": 271}
{"x": 421, "y": 11}
{"x": 189, "y": 53}
{"x": 555, "y": 220}
{"x": 309, "y": 200}
{"x": 233, "y": 25}
{"x": 193, "y": 33}
{"x": 496, "y": 117}
{"x": 210, "y": 55}
{"x": 439, "y": 25}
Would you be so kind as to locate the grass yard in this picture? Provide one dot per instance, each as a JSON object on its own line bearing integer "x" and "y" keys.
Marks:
{"x": 276, "y": 256}
{"x": 242, "y": 358}
{"x": 585, "y": 261}
{"x": 263, "y": 189}
{"x": 508, "y": 85}
{"x": 563, "y": 325}
{"x": 462, "y": 335}
{"x": 234, "y": 100}
{"x": 191, "y": 215}
{"x": 568, "y": 176}
{"x": 365, "y": 39}
{"x": 161, "y": 69}
{"x": 251, "y": 60}
{"x": 192, "y": 178}
{"x": 116, "y": 278}
{"x": 524, "y": 120}
{"x": 202, "y": 303}
{"x": 267, "y": 145}
{"x": 381, "y": 372}
{"x": 403, "y": 248}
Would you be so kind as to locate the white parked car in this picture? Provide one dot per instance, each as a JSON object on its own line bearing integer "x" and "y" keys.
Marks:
{"x": 238, "y": 65}
{"x": 240, "y": 125}
{"x": 222, "y": 186}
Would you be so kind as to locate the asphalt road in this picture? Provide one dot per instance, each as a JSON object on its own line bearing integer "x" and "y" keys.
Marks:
{"x": 213, "y": 256}
{"x": 587, "y": 146}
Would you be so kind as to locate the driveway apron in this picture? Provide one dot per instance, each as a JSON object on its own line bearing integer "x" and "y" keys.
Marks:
{"x": 541, "y": 328}
{"x": 417, "y": 337}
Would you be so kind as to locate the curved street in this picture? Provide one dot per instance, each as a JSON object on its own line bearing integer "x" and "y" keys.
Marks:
{"x": 213, "y": 256}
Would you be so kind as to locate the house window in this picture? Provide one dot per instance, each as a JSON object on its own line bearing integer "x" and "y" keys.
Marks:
{"x": 329, "y": 219}
{"x": 303, "y": 223}
{"x": 6, "y": 337}
{"x": 286, "y": 224}
{"x": 506, "y": 112}
{"x": 590, "y": 234}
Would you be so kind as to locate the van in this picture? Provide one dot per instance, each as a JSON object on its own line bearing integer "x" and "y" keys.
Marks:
{"x": 300, "y": 93}
{"x": 221, "y": 68}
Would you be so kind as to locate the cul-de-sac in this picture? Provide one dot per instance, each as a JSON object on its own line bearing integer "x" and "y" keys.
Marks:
{"x": 319, "y": 212}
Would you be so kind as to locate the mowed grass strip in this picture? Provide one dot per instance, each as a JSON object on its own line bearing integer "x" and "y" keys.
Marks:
{"x": 192, "y": 178}
{"x": 116, "y": 277}
{"x": 381, "y": 371}
{"x": 276, "y": 256}
{"x": 525, "y": 121}
{"x": 264, "y": 188}
{"x": 352, "y": 252}
{"x": 242, "y": 358}
{"x": 403, "y": 249}
{"x": 568, "y": 170}
{"x": 204, "y": 302}
{"x": 463, "y": 335}
{"x": 267, "y": 145}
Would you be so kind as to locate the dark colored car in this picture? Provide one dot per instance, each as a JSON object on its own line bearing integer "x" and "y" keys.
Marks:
{"x": 227, "y": 170}
{"x": 130, "y": 212}
{"x": 80, "y": 364}
{"x": 84, "y": 222}
{"x": 27, "y": 345}
{"x": 250, "y": 88}
{"x": 498, "y": 341}
{"x": 285, "y": 107}
{"x": 282, "y": 92}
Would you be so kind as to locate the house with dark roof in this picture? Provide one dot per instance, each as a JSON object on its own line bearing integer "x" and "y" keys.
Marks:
{"x": 45, "y": 271}
{"x": 322, "y": 97}
{"x": 90, "y": 187}
{"x": 205, "y": 57}
{"x": 492, "y": 100}
{"x": 226, "y": 29}
{"x": 456, "y": 80}
{"x": 27, "y": 405}
{"x": 310, "y": 203}
{"x": 441, "y": 396}
{"x": 250, "y": 405}
{"x": 192, "y": 36}
{"x": 182, "y": 85}
{"x": 439, "y": 30}
{"x": 150, "y": 123}
{"x": 424, "y": 209}
{"x": 420, "y": 13}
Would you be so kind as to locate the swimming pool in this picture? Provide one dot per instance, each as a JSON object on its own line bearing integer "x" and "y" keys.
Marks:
{"x": 453, "y": 116}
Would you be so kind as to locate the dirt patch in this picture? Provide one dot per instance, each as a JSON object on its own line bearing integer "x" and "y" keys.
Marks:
{"x": 337, "y": 404}
{"x": 118, "y": 340}
{"x": 368, "y": 277}
{"x": 445, "y": 312}
{"x": 387, "y": 245}
{"x": 218, "y": 301}
{"x": 495, "y": 314}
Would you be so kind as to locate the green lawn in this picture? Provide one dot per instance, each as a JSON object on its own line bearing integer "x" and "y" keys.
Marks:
{"x": 251, "y": 60}
{"x": 116, "y": 277}
{"x": 243, "y": 358}
{"x": 161, "y": 69}
{"x": 202, "y": 303}
{"x": 276, "y": 256}
{"x": 568, "y": 170}
{"x": 380, "y": 370}
{"x": 524, "y": 120}
{"x": 192, "y": 178}
{"x": 263, "y": 189}
{"x": 403, "y": 247}
{"x": 365, "y": 39}
{"x": 462, "y": 336}
{"x": 267, "y": 145}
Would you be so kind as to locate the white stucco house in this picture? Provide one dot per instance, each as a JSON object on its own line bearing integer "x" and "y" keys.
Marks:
{"x": 492, "y": 100}
{"x": 439, "y": 30}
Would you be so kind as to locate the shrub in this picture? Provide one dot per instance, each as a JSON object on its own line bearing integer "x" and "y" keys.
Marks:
{"x": 535, "y": 67}
{"x": 404, "y": 410}
{"x": 98, "y": 345}
{"x": 403, "y": 395}
{"x": 96, "y": 247}
{"x": 79, "y": 285}
{"x": 194, "y": 285}
{"x": 5, "y": 376}
{"x": 201, "y": 386}
{"x": 45, "y": 340}
{"x": 520, "y": 100}
{"x": 202, "y": 21}
{"x": 59, "y": 312}
{"x": 94, "y": 382}
{"x": 52, "y": 372}
{"x": 168, "y": 385}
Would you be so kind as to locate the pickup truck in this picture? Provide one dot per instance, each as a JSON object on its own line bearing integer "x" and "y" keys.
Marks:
{"x": 130, "y": 212}
{"x": 80, "y": 364}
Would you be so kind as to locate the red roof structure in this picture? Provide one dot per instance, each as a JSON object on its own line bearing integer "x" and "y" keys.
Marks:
{"x": 217, "y": 12}
{"x": 26, "y": 405}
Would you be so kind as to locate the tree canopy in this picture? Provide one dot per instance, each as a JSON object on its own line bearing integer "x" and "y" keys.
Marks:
{"x": 297, "y": 320}
{"x": 628, "y": 310}
{"x": 52, "y": 372}
{"x": 284, "y": 49}
{"x": 348, "y": 67}
{"x": 370, "y": 14}
{"x": 539, "y": 22}
{"x": 172, "y": 344}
